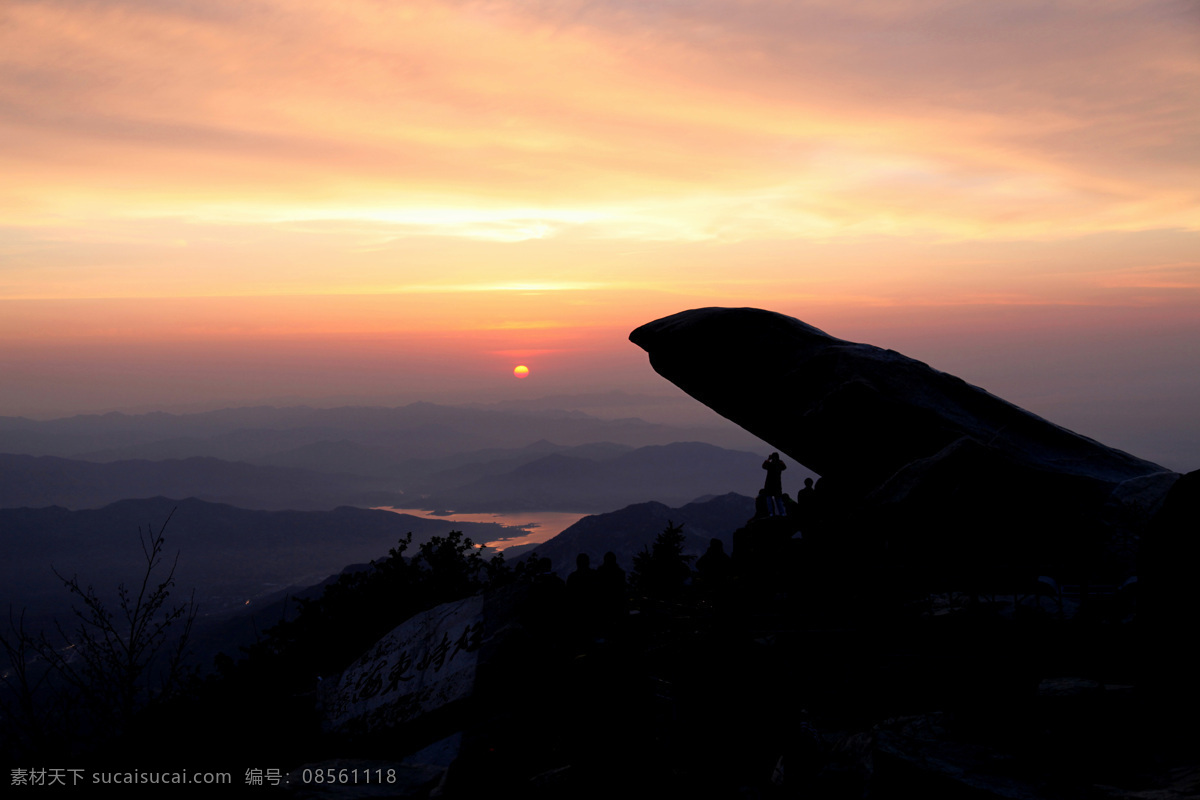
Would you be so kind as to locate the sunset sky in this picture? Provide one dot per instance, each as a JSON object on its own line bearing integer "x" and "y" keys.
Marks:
{"x": 208, "y": 202}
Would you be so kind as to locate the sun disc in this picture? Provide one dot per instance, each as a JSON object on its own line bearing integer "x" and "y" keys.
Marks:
{"x": 521, "y": 371}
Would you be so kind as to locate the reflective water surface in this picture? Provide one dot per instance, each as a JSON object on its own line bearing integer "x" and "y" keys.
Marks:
{"x": 528, "y": 527}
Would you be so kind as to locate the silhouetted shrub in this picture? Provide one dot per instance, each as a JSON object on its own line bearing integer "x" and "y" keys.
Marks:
{"x": 110, "y": 667}
{"x": 359, "y": 608}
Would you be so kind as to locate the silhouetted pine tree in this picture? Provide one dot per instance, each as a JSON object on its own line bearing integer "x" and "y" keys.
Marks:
{"x": 662, "y": 571}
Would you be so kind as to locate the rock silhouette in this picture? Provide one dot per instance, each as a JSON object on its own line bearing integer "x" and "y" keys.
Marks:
{"x": 902, "y": 445}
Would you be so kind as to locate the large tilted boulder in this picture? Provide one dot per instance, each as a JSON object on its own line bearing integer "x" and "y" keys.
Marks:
{"x": 424, "y": 664}
{"x": 434, "y": 660}
{"x": 893, "y": 436}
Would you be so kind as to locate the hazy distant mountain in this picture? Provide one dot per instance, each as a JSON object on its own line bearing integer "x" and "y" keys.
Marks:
{"x": 426, "y": 475}
{"x": 539, "y": 477}
{"x": 49, "y": 481}
{"x": 229, "y": 555}
{"x": 672, "y": 474}
{"x": 485, "y": 464}
{"x": 628, "y": 531}
{"x": 418, "y": 430}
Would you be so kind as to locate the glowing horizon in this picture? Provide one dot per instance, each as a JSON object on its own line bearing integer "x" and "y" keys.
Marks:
{"x": 195, "y": 195}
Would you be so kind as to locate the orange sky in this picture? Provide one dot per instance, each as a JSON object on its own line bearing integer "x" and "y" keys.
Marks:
{"x": 218, "y": 200}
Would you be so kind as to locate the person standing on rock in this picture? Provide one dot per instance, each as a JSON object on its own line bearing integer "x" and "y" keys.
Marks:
{"x": 774, "y": 466}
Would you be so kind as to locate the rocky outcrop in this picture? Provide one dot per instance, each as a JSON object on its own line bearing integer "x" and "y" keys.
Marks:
{"x": 895, "y": 437}
{"x": 435, "y": 660}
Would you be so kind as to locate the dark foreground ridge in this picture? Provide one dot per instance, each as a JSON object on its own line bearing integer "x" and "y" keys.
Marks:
{"x": 970, "y": 603}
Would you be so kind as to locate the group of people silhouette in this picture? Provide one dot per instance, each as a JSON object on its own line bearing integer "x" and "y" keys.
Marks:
{"x": 590, "y": 600}
{"x": 597, "y": 593}
{"x": 772, "y": 501}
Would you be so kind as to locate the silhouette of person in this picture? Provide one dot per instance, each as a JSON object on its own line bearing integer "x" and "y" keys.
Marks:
{"x": 611, "y": 576}
{"x": 583, "y": 591}
{"x": 547, "y": 593}
{"x": 583, "y": 579}
{"x": 611, "y": 580}
{"x": 715, "y": 565}
{"x": 806, "y": 501}
{"x": 774, "y": 466}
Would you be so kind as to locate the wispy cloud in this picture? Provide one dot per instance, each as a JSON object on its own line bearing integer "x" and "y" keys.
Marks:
{"x": 1163, "y": 276}
{"x": 506, "y": 165}
{"x": 521, "y": 288}
{"x": 725, "y": 120}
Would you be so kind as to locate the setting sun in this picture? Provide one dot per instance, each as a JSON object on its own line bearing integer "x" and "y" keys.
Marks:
{"x": 521, "y": 371}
